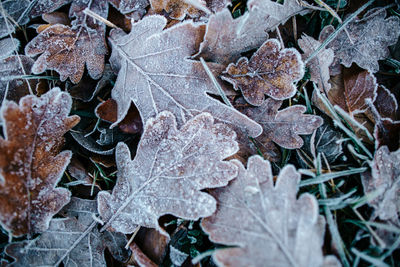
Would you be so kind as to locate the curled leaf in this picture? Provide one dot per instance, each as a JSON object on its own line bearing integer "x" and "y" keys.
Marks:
{"x": 271, "y": 71}
{"x": 266, "y": 222}
{"x": 31, "y": 163}
{"x": 170, "y": 168}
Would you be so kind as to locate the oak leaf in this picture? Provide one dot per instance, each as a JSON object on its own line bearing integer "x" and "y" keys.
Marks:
{"x": 271, "y": 71}
{"x": 267, "y": 223}
{"x": 170, "y": 168}
{"x": 156, "y": 76}
{"x": 73, "y": 241}
{"x": 177, "y": 9}
{"x": 370, "y": 38}
{"x": 319, "y": 65}
{"x": 385, "y": 177}
{"x": 282, "y": 127}
{"x": 31, "y": 163}
{"x": 226, "y": 38}
{"x": 67, "y": 49}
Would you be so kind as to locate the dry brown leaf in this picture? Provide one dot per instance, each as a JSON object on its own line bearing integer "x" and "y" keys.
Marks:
{"x": 384, "y": 177}
{"x": 31, "y": 163}
{"x": 226, "y": 38}
{"x": 270, "y": 71}
{"x": 319, "y": 65}
{"x": 155, "y": 73}
{"x": 170, "y": 168}
{"x": 386, "y": 103}
{"x": 267, "y": 223}
{"x": 140, "y": 259}
{"x": 387, "y": 133}
{"x": 177, "y": 9}
{"x": 370, "y": 38}
{"x": 282, "y": 127}
{"x": 68, "y": 49}
{"x": 72, "y": 241}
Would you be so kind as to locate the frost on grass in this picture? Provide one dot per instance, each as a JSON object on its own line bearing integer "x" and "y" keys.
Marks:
{"x": 270, "y": 71}
{"x": 31, "y": 161}
{"x": 282, "y": 127}
{"x": 170, "y": 168}
{"x": 319, "y": 65}
{"x": 73, "y": 241}
{"x": 265, "y": 221}
{"x": 156, "y": 75}
{"x": 14, "y": 11}
{"x": 370, "y": 38}
{"x": 67, "y": 49}
{"x": 12, "y": 87}
{"x": 226, "y": 38}
{"x": 385, "y": 178}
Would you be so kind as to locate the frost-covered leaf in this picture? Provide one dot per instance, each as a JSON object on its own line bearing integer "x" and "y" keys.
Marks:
{"x": 270, "y": 71}
{"x": 319, "y": 65}
{"x": 14, "y": 11}
{"x": 10, "y": 81}
{"x": 282, "y": 127}
{"x": 155, "y": 74}
{"x": 358, "y": 86}
{"x": 386, "y": 103}
{"x": 8, "y": 46}
{"x": 67, "y": 49}
{"x": 370, "y": 38}
{"x": 385, "y": 177}
{"x": 267, "y": 223}
{"x": 226, "y": 38}
{"x": 73, "y": 241}
{"x": 31, "y": 163}
{"x": 133, "y": 8}
{"x": 170, "y": 168}
{"x": 47, "y": 6}
{"x": 177, "y": 9}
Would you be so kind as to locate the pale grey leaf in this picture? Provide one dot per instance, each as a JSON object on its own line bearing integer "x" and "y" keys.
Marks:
{"x": 266, "y": 221}
{"x": 15, "y": 10}
{"x": 226, "y": 38}
{"x": 73, "y": 241}
{"x": 170, "y": 168}
{"x": 8, "y": 46}
{"x": 155, "y": 73}
{"x": 385, "y": 176}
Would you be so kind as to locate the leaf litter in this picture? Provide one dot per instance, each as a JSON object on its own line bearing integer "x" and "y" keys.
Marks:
{"x": 173, "y": 106}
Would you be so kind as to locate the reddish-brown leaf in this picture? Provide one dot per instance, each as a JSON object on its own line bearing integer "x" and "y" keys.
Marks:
{"x": 68, "y": 49}
{"x": 31, "y": 163}
{"x": 270, "y": 71}
{"x": 265, "y": 221}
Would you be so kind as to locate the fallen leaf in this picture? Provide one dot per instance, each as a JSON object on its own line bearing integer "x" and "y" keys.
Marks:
{"x": 12, "y": 11}
{"x": 132, "y": 8}
{"x": 68, "y": 49}
{"x": 139, "y": 258}
{"x": 384, "y": 177}
{"x": 270, "y": 71}
{"x": 267, "y": 223}
{"x": 319, "y": 65}
{"x": 387, "y": 133}
{"x": 282, "y": 127}
{"x": 12, "y": 86}
{"x": 73, "y": 241}
{"x": 156, "y": 76}
{"x": 8, "y": 46}
{"x": 386, "y": 103}
{"x": 226, "y": 38}
{"x": 370, "y": 38}
{"x": 47, "y": 6}
{"x": 170, "y": 168}
{"x": 177, "y": 9}
{"x": 31, "y": 164}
